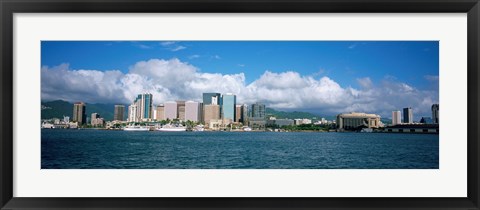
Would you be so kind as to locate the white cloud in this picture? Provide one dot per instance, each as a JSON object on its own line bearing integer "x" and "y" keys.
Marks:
{"x": 173, "y": 80}
{"x": 142, "y": 46}
{"x": 178, "y": 48}
{"x": 172, "y": 46}
{"x": 320, "y": 72}
{"x": 169, "y": 73}
{"x": 193, "y": 56}
{"x": 74, "y": 85}
{"x": 431, "y": 77}
{"x": 284, "y": 80}
{"x": 167, "y": 43}
{"x": 365, "y": 82}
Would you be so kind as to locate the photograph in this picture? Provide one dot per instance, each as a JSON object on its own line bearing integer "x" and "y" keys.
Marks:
{"x": 181, "y": 104}
{"x": 248, "y": 105}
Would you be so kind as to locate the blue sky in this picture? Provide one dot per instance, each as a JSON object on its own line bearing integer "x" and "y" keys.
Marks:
{"x": 357, "y": 67}
{"x": 342, "y": 61}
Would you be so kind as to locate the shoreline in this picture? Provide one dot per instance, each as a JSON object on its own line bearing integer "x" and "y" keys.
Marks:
{"x": 239, "y": 131}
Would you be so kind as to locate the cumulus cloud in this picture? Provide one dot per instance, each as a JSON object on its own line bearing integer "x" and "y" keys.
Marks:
{"x": 176, "y": 80}
{"x": 365, "y": 82}
{"x": 74, "y": 85}
{"x": 284, "y": 80}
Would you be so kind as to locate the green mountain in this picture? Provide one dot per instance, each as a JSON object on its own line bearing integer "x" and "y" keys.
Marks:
{"x": 59, "y": 108}
{"x": 291, "y": 115}
{"x": 56, "y": 109}
{"x": 386, "y": 121}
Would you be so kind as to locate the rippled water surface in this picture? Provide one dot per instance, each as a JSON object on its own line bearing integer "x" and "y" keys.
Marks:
{"x": 101, "y": 149}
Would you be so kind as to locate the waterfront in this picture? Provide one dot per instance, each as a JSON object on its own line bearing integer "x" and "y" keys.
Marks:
{"x": 102, "y": 149}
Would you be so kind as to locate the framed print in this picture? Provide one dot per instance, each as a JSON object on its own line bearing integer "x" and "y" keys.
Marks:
{"x": 239, "y": 105}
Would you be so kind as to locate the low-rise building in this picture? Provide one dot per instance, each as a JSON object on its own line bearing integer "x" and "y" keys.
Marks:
{"x": 356, "y": 120}
{"x": 280, "y": 122}
{"x": 73, "y": 125}
{"x": 215, "y": 124}
{"x": 96, "y": 121}
{"x": 257, "y": 123}
{"x": 302, "y": 121}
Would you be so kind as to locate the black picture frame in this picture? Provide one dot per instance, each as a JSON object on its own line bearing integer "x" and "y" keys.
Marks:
{"x": 10, "y": 7}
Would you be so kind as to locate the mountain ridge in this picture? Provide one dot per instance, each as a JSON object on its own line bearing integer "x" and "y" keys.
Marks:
{"x": 60, "y": 108}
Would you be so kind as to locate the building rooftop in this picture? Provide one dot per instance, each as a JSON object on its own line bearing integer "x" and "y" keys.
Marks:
{"x": 358, "y": 114}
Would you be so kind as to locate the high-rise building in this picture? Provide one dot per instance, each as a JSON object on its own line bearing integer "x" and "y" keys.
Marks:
{"x": 144, "y": 110}
{"x": 160, "y": 112}
{"x": 118, "y": 112}
{"x": 181, "y": 110}
{"x": 408, "y": 115}
{"x": 245, "y": 114}
{"x": 207, "y": 98}
{"x": 192, "y": 111}
{"x": 256, "y": 116}
{"x": 435, "y": 114}
{"x": 238, "y": 113}
{"x": 200, "y": 114}
{"x": 79, "y": 115}
{"x": 147, "y": 106}
{"x": 396, "y": 117}
{"x": 132, "y": 113}
{"x": 257, "y": 110}
{"x": 228, "y": 106}
{"x": 171, "y": 110}
{"x": 154, "y": 114}
{"x": 211, "y": 112}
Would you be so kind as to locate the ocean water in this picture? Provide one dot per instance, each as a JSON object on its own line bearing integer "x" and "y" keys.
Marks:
{"x": 102, "y": 149}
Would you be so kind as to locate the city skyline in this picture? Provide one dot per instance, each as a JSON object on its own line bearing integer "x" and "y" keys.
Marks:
{"x": 288, "y": 84}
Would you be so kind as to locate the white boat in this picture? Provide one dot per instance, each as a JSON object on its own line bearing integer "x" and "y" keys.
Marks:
{"x": 247, "y": 129}
{"x": 366, "y": 130}
{"x": 47, "y": 125}
{"x": 136, "y": 128}
{"x": 198, "y": 128}
{"x": 171, "y": 128}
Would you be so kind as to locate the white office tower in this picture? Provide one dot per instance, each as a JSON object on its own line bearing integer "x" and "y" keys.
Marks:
{"x": 170, "y": 110}
{"x": 192, "y": 111}
{"x": 396, "y": 118}
{"x": 132, "y": 113}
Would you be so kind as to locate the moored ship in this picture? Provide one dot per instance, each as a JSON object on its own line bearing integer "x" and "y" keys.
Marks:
{"x": 136, "y": 128}
{"x": 198, "y": 128}
{"x": 171, "y": 128}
